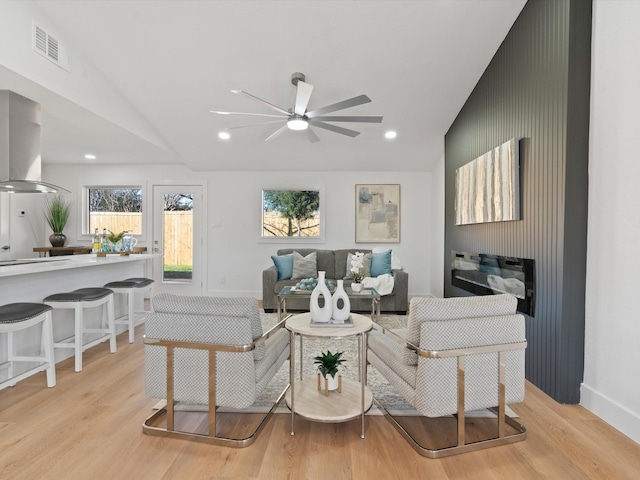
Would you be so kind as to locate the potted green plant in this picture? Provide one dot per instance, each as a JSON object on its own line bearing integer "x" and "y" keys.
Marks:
{"x": 328, "y": 364}
{"x": 115, "y": 239}
{"x": 57, "y": 213}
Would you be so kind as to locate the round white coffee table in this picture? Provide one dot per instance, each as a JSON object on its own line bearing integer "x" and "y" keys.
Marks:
{"x": 303, "y": 396}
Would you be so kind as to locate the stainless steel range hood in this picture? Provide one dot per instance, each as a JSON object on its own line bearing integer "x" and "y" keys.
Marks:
{"x": 20, "y": 159}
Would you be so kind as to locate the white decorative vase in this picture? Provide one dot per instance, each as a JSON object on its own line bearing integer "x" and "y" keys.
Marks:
{"x": 356, "y": 287}
{"x": 320, "y": 314}
{"x": 340, "y": 314}
{"x": 332, "y": 382}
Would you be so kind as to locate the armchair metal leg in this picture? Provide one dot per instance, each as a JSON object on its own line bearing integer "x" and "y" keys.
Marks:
{"x": 149, "y": 428}
{"x": 462, "y": 443}
{"x": 149, "y": 425}
{"x": 520, "y": 435}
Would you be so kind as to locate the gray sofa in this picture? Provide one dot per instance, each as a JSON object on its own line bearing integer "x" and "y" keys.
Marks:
{"x": 334, "y": 263}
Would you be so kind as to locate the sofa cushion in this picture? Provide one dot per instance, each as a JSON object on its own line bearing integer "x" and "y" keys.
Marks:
{"x": 305, "y": 267}
{"x": 380, "y": 263}
{"x": 284, "y": 265}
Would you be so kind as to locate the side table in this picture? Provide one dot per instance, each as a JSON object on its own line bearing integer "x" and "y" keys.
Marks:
{"x": 304, "y": 398}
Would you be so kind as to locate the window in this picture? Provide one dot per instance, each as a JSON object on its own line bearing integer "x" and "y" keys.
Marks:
{"x": 118, "y": 209}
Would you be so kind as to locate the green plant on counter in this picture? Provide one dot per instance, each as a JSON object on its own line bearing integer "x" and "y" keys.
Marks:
{"x": 57, "y": 213}
{"x": 115, "y": 237}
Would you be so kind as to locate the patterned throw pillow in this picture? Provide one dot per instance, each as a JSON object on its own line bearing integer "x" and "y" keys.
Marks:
{"x": 305, "y": 267}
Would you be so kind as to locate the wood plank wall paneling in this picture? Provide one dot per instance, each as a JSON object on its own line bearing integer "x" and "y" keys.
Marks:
{"x": 536, "y": 88}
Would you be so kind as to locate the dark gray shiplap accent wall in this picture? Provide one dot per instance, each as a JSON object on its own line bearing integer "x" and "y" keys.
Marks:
{"x": 536, "y": 88}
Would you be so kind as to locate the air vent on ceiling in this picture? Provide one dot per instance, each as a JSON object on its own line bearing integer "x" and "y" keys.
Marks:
{"x": 47, "y": 46}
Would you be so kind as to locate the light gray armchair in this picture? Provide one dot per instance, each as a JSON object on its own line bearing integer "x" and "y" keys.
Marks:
{"x": 456, "y": 355}
{"x": 210, "y": 341}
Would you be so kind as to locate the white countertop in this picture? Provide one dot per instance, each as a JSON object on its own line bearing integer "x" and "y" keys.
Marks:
{"x": 50, "y": 264}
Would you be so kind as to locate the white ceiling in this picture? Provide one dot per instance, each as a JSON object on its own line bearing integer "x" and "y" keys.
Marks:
{"x": 174, "y": 61}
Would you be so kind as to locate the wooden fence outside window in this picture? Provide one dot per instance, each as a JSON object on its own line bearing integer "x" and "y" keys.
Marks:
{"x": 178, "y": 231}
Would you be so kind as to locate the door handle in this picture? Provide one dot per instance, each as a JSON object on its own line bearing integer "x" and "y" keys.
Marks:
{"x": 6, "y": 247}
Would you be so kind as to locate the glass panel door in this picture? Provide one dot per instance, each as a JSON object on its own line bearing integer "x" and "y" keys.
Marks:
{"x": 178, "y": 237}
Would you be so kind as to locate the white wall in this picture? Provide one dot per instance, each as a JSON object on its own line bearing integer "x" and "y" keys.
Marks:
{"x": 84, "y": 85}
{"x": 611, "y": 387}
{"x": 437, "y": 235}
{"x": 235, "y": 250}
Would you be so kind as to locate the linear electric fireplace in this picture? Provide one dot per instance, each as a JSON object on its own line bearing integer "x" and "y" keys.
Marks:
{"x": 485, "y": 274}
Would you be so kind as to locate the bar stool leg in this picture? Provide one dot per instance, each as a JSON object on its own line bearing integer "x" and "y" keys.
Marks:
{"x": 79, "y": 328}
{"x": 47, "y": 339}
{"x": 112, "y": 323}
{"x": 10, "y": 356}
{"x": 130, "y": 296}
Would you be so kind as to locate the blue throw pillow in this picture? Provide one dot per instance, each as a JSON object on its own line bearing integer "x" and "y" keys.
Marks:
{"x": 380, "y": 263}
{"x": 284, "y": 264}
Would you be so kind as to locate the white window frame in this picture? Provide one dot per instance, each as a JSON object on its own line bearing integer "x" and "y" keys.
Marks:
{"x": 84, "y": 210}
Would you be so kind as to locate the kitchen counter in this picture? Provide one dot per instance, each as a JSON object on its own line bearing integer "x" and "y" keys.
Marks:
{"x": 29, "y": 266}
{"x": 33, "y": 279}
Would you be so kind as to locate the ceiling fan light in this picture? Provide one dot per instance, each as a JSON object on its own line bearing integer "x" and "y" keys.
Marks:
{"x": 297, "y": 124}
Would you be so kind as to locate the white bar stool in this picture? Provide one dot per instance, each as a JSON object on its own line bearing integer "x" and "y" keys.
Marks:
{"x": 79, "y": 300}
{"x": 19, "y": 316}
{"x": 129, "y": 287}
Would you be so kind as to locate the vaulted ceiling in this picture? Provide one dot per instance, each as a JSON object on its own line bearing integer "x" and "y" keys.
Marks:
{"x": 145, "y": 75}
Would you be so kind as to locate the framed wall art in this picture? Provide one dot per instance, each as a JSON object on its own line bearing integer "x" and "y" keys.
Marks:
{"x": 488, "y": 188}
{"x": 378, "y": 213}
{"x": 292, "y": 215}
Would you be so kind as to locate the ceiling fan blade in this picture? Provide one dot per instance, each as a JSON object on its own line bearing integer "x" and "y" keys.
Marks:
{"x": 245, "y": 113}
{"x": 277, "y": 133}
{"x": 334, "y": 128}
{"x": 254, "y": 124}
{"x": 313, "y": 138}
{"x": 303, "y": 95}
{"x": 365, "y": 119}
{"x": 352, "y": 102}
{"x": 264, "y": 102}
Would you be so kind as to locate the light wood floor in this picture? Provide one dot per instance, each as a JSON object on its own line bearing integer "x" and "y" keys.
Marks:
{"x": 89, "y": 427}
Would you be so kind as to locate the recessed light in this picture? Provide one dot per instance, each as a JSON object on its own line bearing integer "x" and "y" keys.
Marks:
{"x": 390, "y": 134}
{"x": 224, "y": 135}
{"x": 90, "y": 156}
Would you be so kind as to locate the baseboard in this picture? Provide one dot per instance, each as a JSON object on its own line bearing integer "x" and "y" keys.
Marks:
{"x": 611, "y": 412}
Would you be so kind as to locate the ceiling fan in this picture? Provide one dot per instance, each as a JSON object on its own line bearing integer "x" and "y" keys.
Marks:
{"x": 298, "y": 118}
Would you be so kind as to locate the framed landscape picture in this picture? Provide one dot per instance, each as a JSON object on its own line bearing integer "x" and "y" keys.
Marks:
{"x": 378, "y": 213}
{"x": 293, "y": 215}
